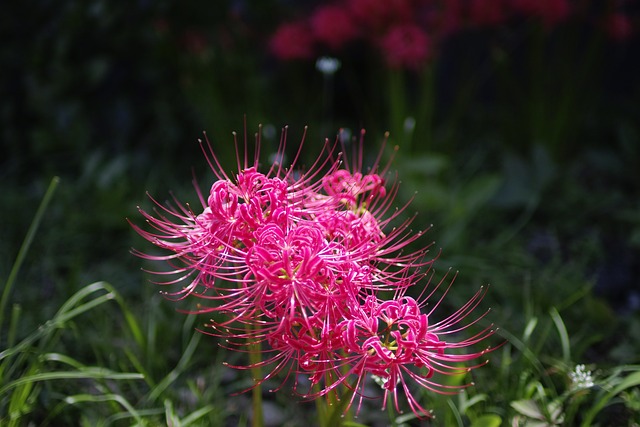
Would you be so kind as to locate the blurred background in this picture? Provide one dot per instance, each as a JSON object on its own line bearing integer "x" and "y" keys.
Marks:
{"x": 517, "y": 121}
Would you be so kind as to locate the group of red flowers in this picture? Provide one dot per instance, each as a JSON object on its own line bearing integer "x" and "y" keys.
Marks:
{"x": 407, "y": 32}
{"x": 308, "y": 265}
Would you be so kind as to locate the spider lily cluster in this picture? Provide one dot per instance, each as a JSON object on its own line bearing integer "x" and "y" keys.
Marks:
{"x": 298, "y": 262}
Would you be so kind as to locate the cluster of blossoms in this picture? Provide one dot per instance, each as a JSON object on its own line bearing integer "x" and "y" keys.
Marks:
{"x": 581, "y": 378}
{"x": 297, "y": 263}
{"x": 408, "y": 32}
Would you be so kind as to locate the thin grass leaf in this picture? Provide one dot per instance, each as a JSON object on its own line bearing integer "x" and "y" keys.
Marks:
{"x": 139, "y": 367}
{"x": 57, "y": 322}
{"x": 528, "y": 354}
{"x": 633, "y": 380}
{"x": 170, "y": 415}
{"x": 129, "y": 317}
{"x": 143, "y": 413}
{"x": 196, "y": 415}
{"x": 178, "y": 370}
{"x": 13, "y": 324}
{"x": 57, "y": 357}
{"x": 69, "y": 310}
{"x": 528, "y": 330}
{"x": 564, "y": 336}
{"x": 24, "y": 248}
{"x": 464, "y": 403}
{"x": 19, "y": 402}
{"x": 131, "y": 411}
{"x": 91, "y": 373}
{"x": 455, "y": 412}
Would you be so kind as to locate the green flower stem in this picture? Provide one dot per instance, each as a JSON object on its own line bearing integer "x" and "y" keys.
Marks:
{"x": 256, "y": 374}
{"x": 331, "y": 408}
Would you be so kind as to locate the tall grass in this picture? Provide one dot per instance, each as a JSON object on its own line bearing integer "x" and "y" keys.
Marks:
{"x": 104, "y": 360}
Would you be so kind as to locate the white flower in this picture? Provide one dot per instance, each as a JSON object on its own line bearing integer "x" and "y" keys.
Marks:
{"x": 581, "y": 378}
{"x": 327, "y": 65}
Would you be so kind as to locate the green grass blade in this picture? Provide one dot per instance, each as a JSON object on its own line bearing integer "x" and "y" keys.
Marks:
{"x": 633, "y": 380}
{"x": 13, "y": 324}
{"x": 564, "y": 335}
{"x": 81, "y": 398}
{"x": 67, "y": 309}
{"x": 64, "y": 315}
{"x": 95, "y": 373}
{"x": 455, "y": 412}
{"x": 177, "y": 371}
{"x": 24, "y": 248}
{"x": 19, "y": 401}
{"x": 196, "y": 415}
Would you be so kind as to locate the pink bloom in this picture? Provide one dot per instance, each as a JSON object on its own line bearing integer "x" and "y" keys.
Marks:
{"x": 378, "y": 15}
{"x": 551, "y": 12}
{"x": 400, "y": 345}
{"x": 450, "y": 19}
{"x": 292, "y": 41}
{"x": 296, "y": 261}
{"x": 487, "y": 12}
{"x": 406, "y": 46}
{"x": 618, "y": 26}
{"x": 333, "y": 25}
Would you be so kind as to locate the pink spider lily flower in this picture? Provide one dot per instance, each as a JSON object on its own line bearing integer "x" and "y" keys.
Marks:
{"x": 210, "y": 247}
{"x": 294, "y": 261}
{"x": 396, "y": 343}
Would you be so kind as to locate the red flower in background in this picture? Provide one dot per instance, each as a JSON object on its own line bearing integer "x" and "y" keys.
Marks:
{"x": 292, "y": 40}
{"x": 406, "y": 46}
{"x": 551, "y": 12}
{"x": 618, "y": 26}
{"x": 333, "y": 25}
{"x": 487, "y": 12}
{"x": 378, "y": 15}
{"x": 449, "y": 19}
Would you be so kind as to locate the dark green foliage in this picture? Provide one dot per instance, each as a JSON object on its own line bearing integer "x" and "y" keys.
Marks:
{"x": 528, "y": 168}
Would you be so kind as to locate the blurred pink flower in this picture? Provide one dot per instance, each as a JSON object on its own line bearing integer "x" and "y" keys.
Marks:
{"x": 449, "y": 17}
{"x": 618, "y": 26}
{"x": 487, "y": 12}
{"x": 550, "y": 12}
{"x": 406, "y": 46}
{"x": 292, "y": 40}
{"x": 377, "y": 15}
{"x": 333, "y": 25}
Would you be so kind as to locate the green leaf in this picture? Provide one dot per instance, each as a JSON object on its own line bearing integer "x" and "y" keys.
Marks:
{"x": 487, "y": 420}
{"x": 564, "y": 335}
{"x": 131, "y": 411}
{"x": 87, "y": 373}
{"x": 528, "y": 408}
{"x": 22, "y": 252}
{"x": 632, "y": 380}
